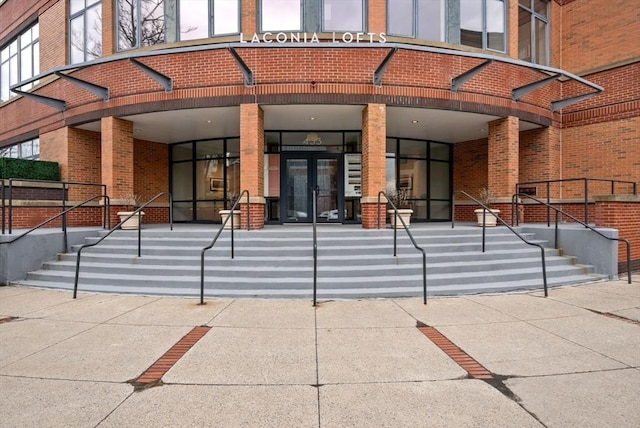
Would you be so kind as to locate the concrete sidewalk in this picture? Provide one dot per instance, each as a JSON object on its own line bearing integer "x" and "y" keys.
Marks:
{"x": 570, "y": 360}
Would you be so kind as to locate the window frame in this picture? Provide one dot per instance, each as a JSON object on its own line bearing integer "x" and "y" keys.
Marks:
{"x": 82, "y": 13}
{"x": 485, "y": 32}
{"x": 415, "y": 21}
{"x": 530, "y": 9}
{"x": 15, "y": 151}
{"x": 33, "y": 47}
{"x": 311, "y": 18}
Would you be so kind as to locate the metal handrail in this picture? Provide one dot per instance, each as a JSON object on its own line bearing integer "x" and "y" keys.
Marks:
{"x": 413, "y": 241}
{"x": 114, "y": 228}
{"x": 498, "y": 218}
{"x": 215, "y": 239}
{"x": 586, "y": 191}
{"x": 314, "y": 212}
{"x": 514, "y": 203}
{"x": 28, "y": 180}
{"x": 63, "y": 214}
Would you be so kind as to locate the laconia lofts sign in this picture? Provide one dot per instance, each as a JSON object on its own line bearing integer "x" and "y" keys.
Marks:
{"x": 283, "y": 37}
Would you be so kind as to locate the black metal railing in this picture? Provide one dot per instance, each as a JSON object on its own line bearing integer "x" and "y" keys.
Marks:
{"x": 215, "y": 239}
{"x": 586, "y": 181}
{"x": 64, "y": 186}
{"x": 413, "y": 241}
{"x": 486, "y": 210}
{"x": 314, "y": 212}
{"x": 63, "y": 214}
{"x": 123, "y": 219}
{"x": 558, "y": 211}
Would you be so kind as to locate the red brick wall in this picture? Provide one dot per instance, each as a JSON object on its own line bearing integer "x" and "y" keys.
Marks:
{"x": 150, "y": 169}
{"x": 53, "y": 36}
{"x": 377, "y": 18}
{"x": 605, "y": 150}
{"x": 26, "y": 217}
{"x": 597, "y": 33}
{"x": 622, "y": 214}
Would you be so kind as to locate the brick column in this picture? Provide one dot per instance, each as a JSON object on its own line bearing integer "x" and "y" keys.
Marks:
{"x": 503, "y": 161}
{"x": 252, "y": 164}
{"x": 117, "y": 160}
{"x": 374, "y": 175}
{"x": 77, "y": 152}
{"x": 540, "y": 153}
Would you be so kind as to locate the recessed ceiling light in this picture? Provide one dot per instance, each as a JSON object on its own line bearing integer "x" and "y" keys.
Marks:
{"x": 208, "y": 121}
{"x": 137, "y": 129}
{"x": 312, "y": 118}
{"x": 414, "y": 121}
{"x": 483, "y": 129}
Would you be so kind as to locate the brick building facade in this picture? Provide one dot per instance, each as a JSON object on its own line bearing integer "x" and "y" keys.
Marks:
{"x": 383, "y": 101}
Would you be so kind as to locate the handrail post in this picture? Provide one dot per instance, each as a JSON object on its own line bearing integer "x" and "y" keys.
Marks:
{"x": 395, "y": 230}
{"x": 484, "y": 227}
{"x": 544, "y": 272}
{"x": 248, "y": 212}
{"x": 202, "y": 277}
{"x": 3, "y": 213}
{"x": 378, "y": 210}
{"x": 548, "y": 203}
{"x": 453, "y": 212}
{"x": 315, "y": 245}
{"x": 556, "y": 233}
{"x": 628, "y": 261}
{"x": 586, "y": 201}
{"x": 10, "y": 206}
{"x": 64, "y": 203}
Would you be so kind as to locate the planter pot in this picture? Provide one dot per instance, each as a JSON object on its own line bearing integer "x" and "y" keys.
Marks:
{"x": 132, "y": 223}
{"x": 236, "y": 218}
{"x": 490, "y": 220}
{"x": 405, "y": 213}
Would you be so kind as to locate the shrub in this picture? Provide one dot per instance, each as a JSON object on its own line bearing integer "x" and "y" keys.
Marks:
{"x": 29, "y": 169}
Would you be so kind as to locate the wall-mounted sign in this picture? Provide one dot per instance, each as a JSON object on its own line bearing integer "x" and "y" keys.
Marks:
{"x": 531, "y": 191}
{"x": 352, "y": 175}
{"x": 312, "y": 139}
{"x": 298, "y": 37}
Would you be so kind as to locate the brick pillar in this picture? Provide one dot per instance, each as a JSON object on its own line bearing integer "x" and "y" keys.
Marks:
{"x": 249, "y": 17}
{"x": 252, "y": 164}
{"x": 374, "y": 175}
{"x": 377, "y": 19}
{"x": 77, "y": 152}
{"x": 540, "y": 157}
{"x": 503, "y": 161}
{"x": 117, "y": 161}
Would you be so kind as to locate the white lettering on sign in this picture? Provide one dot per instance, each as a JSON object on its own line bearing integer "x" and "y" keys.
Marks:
{"x": 298, "y": 37}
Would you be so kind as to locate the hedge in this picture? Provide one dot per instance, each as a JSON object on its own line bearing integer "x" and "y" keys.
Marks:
{"x": 29, "y": 169}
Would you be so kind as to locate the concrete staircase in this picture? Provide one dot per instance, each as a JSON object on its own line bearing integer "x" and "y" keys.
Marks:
{"x": 277, "y": 262}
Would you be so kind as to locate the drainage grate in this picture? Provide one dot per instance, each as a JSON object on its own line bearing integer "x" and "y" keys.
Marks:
{"x": 152, "y": 376}
{"x": 474, "y": 368}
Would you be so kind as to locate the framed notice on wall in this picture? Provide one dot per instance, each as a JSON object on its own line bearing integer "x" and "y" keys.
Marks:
{"x": 352, "y": 175}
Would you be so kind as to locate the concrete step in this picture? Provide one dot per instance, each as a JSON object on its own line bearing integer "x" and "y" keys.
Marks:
{"x": 277, "y": 262}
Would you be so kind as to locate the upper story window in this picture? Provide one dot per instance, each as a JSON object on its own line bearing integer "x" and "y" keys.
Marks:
{"x": 421, "y": 19}
{"x": 482, "y": 24}
{"x": 477, "y": 23}
{"x": 151, "y": 22}
{"x": 85, "y": 30}
{"x": 312, "y": 15}
{"x": 26, "y": 150}
{"x": 533, "y": 31}
{"x": 19, "y": 60}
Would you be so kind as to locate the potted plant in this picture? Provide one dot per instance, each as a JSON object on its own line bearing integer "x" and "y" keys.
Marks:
{"x": 398, "y": 197}
{"x": 487, "y": 197}
{"x": 232, "y": 197}
{"x": 130, "y": 203}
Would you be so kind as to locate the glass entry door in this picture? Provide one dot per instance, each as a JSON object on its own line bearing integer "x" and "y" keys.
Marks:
{"x": 303, "y": 172}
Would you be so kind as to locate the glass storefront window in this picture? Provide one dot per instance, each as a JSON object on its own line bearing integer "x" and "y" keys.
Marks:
{"x": 194, "y": 19}
{"x": 423, "y": 170}
{"x": 205, "y": 176}
{"x": 182, "y": 181}
{"x": 85, "y": 30}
